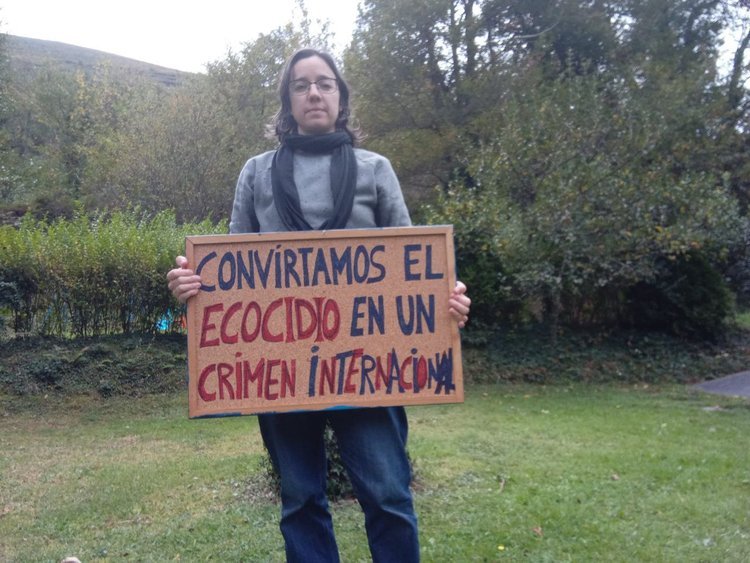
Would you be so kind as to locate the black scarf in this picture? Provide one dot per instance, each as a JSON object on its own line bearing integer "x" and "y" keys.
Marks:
{"x": 343, "y": 179}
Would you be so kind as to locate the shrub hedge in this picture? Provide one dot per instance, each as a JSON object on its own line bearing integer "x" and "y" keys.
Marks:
{"x": 92, "y": 274}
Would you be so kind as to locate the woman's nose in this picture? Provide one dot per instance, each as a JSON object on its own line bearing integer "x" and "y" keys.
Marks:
{"x": 315, "y": 92}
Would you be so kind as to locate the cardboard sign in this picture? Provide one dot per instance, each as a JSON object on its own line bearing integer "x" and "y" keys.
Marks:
{"x": 322, "y": 319}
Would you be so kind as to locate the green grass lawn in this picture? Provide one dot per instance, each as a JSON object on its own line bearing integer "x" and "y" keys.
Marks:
{"x": 516, "y": 473}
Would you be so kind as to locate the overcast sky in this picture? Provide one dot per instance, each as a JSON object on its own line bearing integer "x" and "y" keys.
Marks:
{"x": 180, "y": 34}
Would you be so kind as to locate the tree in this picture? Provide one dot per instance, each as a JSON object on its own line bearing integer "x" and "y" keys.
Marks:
{"x": 432, "y": 74}
{"x": 580, "y": 198}
{"x": 183, "y": 150}
{"x": 411, "y": 63}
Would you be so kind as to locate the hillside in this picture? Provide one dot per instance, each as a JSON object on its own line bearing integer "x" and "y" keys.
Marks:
{"x": 29, "y": 56}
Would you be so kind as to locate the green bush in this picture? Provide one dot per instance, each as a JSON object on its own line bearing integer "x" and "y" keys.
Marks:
{"x": 481, "y": 269}
{"x": 689, "y": 299}
{"x": 571, "y": 204}
{"x": 9, "y": 300}
{"x": 93, "y": 274}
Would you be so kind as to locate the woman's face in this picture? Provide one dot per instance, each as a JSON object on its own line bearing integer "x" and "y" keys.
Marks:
{"x": 315, "y": 111}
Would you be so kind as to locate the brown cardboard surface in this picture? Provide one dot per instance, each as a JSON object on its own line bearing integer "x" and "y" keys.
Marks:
{"x": 322, "y": 319}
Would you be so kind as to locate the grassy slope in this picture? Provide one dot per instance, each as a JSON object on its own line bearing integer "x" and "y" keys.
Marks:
{"x": 517, "y": 473}
{"x": 30, "y": 57}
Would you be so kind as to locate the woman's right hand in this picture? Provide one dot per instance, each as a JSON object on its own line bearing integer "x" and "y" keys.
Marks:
{"x": 183, "y": 282}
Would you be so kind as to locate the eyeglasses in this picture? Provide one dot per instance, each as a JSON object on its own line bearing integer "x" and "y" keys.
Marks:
{"x": 325, "y": 86}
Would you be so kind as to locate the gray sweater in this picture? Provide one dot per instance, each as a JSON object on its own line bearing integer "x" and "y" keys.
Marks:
{"x": 378, "y": 201}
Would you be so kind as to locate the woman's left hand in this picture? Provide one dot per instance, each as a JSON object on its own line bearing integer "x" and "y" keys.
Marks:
{"x": 459, "y": 304}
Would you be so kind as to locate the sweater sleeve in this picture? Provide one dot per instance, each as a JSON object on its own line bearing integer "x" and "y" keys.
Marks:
{"x": 391, "y": 210}
{"x": 244, "y": 219}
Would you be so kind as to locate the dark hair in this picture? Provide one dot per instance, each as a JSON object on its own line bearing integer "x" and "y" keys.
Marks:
{"x": 283, "y": 122}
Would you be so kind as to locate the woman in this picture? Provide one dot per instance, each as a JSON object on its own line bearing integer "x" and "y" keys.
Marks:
{"x": 317, "y": 180}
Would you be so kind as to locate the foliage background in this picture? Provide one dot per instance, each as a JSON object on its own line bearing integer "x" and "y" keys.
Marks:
{"x": 93, "y": 274}
{"x": 592, "y": 156}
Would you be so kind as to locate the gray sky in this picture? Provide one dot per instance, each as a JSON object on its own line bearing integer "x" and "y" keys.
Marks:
{"x": 180, "y": 34}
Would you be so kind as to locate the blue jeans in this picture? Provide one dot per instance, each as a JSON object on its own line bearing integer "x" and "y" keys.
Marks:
{"x": 372, "y": 444}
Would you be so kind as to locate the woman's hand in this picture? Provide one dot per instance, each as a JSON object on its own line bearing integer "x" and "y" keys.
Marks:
{"x": 183, "y": 283}
{"x": 459, "y": 304}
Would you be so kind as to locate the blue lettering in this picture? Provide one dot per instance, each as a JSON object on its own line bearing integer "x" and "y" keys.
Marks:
{"x": 207, "y": 258}
{"x": 429, "y": 274}
{"x": 290, "y": 260}
{"x": 263, "y": 271}
{"x": 225, "y": 284}
{"x": 376, "y": 265}
{"x": 356, "y": 315}
{"x": 368, "y": 365}
{"x": 342, "y": 264}
{"x": 244, "y": 272}
{"x": 409, "y": 261}
{"x": 321, "y": 267}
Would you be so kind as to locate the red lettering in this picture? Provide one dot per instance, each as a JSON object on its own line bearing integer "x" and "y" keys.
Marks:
{"x": 267, "y": 335}
{"x": 404, "y": 384}
{"x": 250, "y": 336}
{"x": 299, "y": 306}
{"x": 349, "y": 386}
{"x": 217, "y": 307}
{"x": 254, "y": 375}
{"x": 288, "y": 378}
{"x": 234, "y": 382}
{"x": 226, "y": 338}
{"x": 319, "y": 317}
{"x": 224, "y": 371}
{"x": 286, "y": 319}
{"x": 238, "y": 377}
{"x": 330, "y": 332}
{"x": 380, "y": 373}
{"x": 205, "y": 395}
{"x": 288, "y": 301}
{"x": 271, "y": 380}
{"x": 421, "y": 379}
